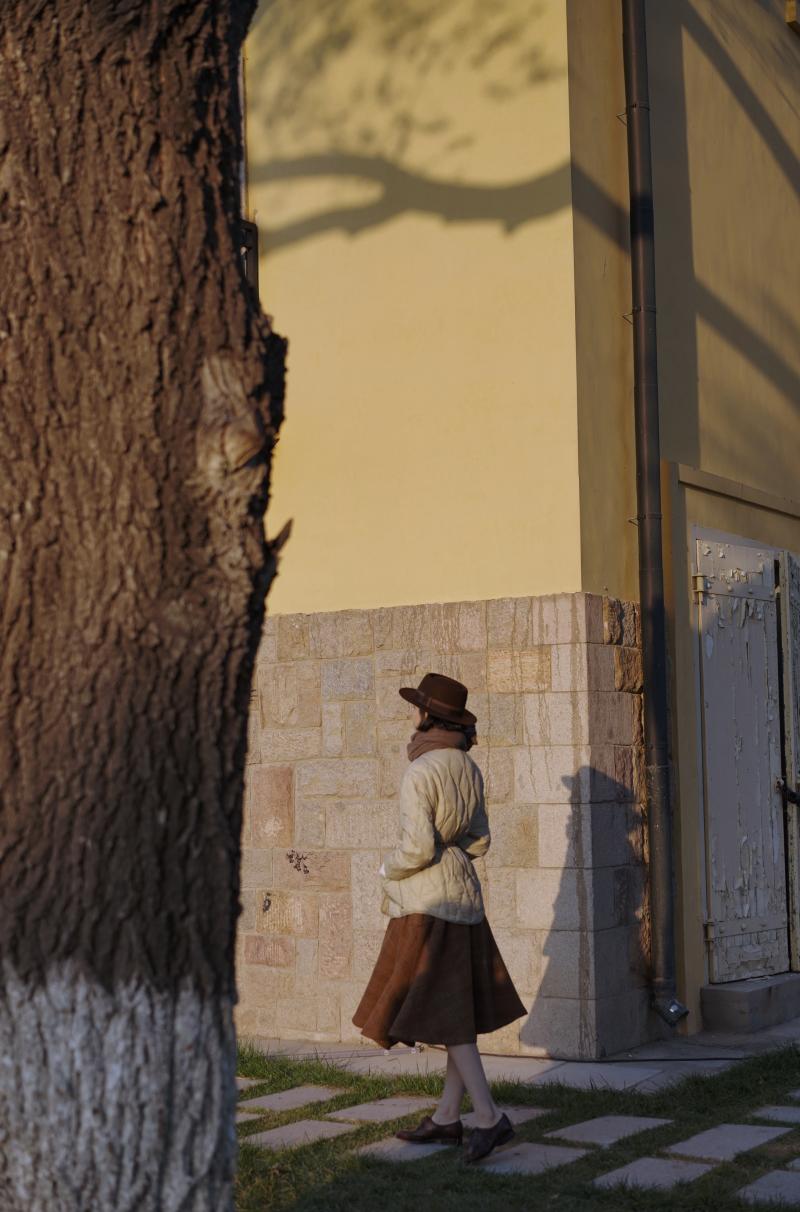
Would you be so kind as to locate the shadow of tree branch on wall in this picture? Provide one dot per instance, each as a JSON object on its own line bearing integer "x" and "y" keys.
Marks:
{"x": 402, "y": 192}
{"x": 407, "y": 103}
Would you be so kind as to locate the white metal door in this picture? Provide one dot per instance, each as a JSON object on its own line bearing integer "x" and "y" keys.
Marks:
{"x": 790, "y": 645}
{"x": 747, "y": 917}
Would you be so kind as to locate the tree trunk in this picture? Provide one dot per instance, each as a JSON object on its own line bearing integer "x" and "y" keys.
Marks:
{"x": 141, "y": 392}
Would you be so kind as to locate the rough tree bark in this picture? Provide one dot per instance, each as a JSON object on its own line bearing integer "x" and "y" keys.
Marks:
{"x": 141, "y": 390}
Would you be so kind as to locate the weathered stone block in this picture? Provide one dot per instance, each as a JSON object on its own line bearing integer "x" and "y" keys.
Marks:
{"x": 287, "y": 913}
{"x": 567, "y": 969}
{"x": 621, "y": 623}
{"x": 555, "y": 900}
{"x": 582, "y": 667}
{"x": 620, "y": 965}
{"x": 565, "y": 835}
{"x": 552, "y": 719}
{"x": 343, "y": 777}
{"x": 354, "y": 826}
{"x": 392, "y": 765}
{"x": 306, "y": 962}
{"x": 401, "y": 627}
{"x": 402, "y": 666}
{"x": 520, "y": 955}
{"x": 290, "y": 744}
{"x": 565, "y": 1023}
{"x": 290, "y": 695}
{"x": 627, "y": 669}
{"x": 500, "y": 894}
{"x": 343, "y": 633}
{"x": 297, "y": 1013}
{"x": 514, "y": 837}
{"x": 390, "y": 706}
{"x": 366, "y": 890}
{"x": 335, "y": 936}
{"x": 333, "y": 740}
{"x": 314, "y": 869}
{"x": 497, "y": 767}
{"x": 309, "y": 824}
{"x": 250, "y": 901}
{"x": 292, "y": 637}
{"x": 366, "y": 948}
{"x": 260, "y": 985}
{"x": 458, "y": 626}
{"x": 253, "y": 756}
{"x": 612, "y": 718}
{"x": 563, "y": 773}
{"x": 256, "y": 869}
{"x": 502, "y": 724}
{"x": 360, "y": 728}
{"x": 515, "y": 671}
{"x": 275, "y": 951}
{"x": 268, "y": 648}
{"x": 350, "y": 994}
{"x": 348, "y": 679}
{"x": 271, "y": 806}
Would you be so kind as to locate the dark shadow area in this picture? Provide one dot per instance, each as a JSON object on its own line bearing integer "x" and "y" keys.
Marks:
{"x": 592, "y": 999}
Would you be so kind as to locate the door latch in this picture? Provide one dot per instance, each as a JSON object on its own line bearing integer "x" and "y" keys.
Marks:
{"x": 788, "y": 795}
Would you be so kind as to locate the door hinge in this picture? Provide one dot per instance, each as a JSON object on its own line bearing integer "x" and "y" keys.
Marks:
{"x": 700, "y": 586}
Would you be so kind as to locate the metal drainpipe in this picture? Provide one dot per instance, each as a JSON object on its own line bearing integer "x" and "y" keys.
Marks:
{"x": 648, "y": 492}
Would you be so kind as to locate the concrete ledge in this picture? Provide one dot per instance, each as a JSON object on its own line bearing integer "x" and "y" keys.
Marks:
{"x": 753, "y": 1005}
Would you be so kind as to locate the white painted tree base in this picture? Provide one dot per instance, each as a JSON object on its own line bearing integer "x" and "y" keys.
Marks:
{"x": 114, "y": 1101}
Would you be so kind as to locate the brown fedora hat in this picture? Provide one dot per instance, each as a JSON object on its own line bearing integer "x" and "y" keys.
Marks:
{"x": 441, "y": 696}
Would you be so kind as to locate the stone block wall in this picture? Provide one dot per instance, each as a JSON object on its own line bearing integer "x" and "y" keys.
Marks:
{"x": 555, "y": 683}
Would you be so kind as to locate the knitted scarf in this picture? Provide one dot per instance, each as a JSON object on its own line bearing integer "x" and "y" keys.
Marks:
{"x": 437, "y": 738}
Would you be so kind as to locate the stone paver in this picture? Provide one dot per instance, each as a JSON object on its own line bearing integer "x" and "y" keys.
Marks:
{"x": 654, "y": 1173}
{"x": 585, "y": 1076}
{"x": 781, "y": 1115}
{"x": 301, "y": 1132}
{"x": 528, "y": 1158}
{"x": 383, "y": 1109}
{"x": 288, "y": 1100}
{"x": 245, "y": 1117}
{"x": 244, "y": 1083}
{"x": 725, "y": 1141}
{"x": 793, "y": 1094}
{"x": 607, "y": 1129}
{"x": 394, "y": 1150}
{"x": 792, "y": 1165}
{"x": 517, "y": 1115}
{"x": 778, "y": 1186}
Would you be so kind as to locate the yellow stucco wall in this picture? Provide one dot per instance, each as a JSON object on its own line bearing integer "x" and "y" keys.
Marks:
{"x": 408, "y": 168}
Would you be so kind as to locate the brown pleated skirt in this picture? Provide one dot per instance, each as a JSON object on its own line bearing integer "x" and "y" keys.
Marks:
{"x": 436, "y": 982}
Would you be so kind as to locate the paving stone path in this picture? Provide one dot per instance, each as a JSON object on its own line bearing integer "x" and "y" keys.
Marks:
{"x": 682, "y": 1162}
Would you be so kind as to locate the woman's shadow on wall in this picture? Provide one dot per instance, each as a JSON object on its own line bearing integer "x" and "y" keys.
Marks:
{"x": 592, "y": 913}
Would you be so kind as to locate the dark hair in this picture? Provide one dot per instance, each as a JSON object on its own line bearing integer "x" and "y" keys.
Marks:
{"x": 432, "y": 721}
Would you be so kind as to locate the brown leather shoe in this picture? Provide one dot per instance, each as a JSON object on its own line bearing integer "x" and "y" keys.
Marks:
{"x": 483, "y": 1140}
{"x": 429, "y": 1133}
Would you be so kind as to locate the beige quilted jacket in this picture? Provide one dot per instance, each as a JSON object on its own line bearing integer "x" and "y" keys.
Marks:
{"x": 443, "y": 828}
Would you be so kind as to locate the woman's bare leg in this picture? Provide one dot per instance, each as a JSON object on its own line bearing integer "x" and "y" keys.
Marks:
{"x": 449, "y": 1108}
{"x": 467, "y": 1061}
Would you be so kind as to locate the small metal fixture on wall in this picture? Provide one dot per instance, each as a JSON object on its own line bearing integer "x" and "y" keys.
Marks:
{"x": 249, "y": 251}
{"x": 793, "y": 14}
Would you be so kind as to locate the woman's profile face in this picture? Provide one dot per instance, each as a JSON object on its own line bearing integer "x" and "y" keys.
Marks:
{"x": 417, "y": 716}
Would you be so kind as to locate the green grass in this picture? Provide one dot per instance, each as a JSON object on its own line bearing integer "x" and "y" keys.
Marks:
{"x": 327, "y": 1177}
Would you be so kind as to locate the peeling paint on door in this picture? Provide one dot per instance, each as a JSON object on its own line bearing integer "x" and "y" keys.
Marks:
{"x": 747, "y": 917}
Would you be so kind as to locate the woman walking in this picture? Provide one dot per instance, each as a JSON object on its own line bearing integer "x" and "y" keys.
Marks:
{"x": 439, "y": 978}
